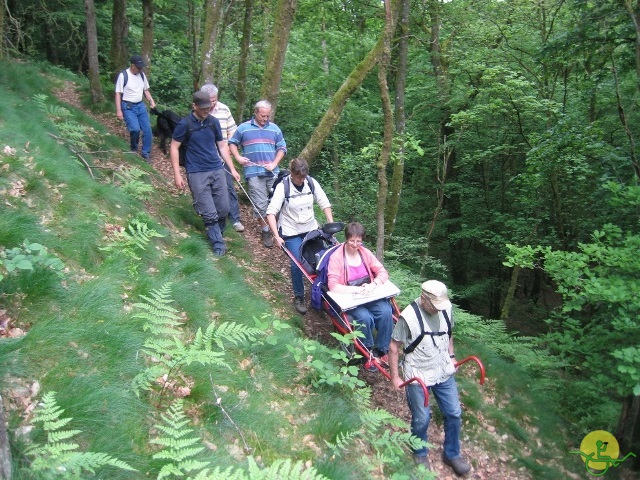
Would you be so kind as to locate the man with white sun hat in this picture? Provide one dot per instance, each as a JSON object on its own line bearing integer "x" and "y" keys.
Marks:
{"x": 424, "y": 333}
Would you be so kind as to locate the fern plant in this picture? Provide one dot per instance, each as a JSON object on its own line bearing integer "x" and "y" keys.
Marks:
{"x": 135, "y": 237}
{"x": 165, "y": 345}
{"x": 180, "y": 447}
{"x": 59, "y": 458}
{"x": 132, "y": 183}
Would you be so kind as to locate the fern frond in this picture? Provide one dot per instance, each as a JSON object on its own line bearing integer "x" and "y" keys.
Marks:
{"x": 283, "y": 469}
{"x": 342, "y": 442}
{"x": 231, "y": 332}
{"x": 61, "y": 459}
{"x": 178, "y": 443}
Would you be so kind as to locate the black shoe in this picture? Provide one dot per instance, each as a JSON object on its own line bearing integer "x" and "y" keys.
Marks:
{"x": 267, "y": 241}
{"x": 459, "y": 465}
{"x": 422, "y": 460}
{"x": 299, "y": 305}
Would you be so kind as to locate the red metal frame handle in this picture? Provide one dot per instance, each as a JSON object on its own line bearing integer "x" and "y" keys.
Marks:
{"x": 477, "y": 360}
{"x": 424, "y": 388}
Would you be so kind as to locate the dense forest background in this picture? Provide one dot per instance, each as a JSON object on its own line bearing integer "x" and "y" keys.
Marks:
{"x": 488, "y": 143}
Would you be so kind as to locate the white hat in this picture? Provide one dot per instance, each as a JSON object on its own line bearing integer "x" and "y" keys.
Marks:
{"x": 437, "y": 293}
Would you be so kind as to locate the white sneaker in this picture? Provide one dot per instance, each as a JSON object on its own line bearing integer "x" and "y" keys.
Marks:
{"x": 238, "y": 227}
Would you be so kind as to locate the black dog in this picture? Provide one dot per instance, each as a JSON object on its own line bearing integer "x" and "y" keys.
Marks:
{"x": 165, "y": 126}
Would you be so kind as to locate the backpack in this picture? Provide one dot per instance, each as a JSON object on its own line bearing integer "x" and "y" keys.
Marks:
{"x": 283, "y": 176}
{"x": 182, "y": 150}
{"x": 416, "y": 342}
{"x": 314, "y": 244}
{"x": 126, "y": 77}
{"x": 319, "y": 285}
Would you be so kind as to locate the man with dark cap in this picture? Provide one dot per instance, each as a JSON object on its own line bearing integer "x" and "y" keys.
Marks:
{"x": 201, "y": 132}
{"x": 131, "y": 86}
{"x": 424, "y": 332}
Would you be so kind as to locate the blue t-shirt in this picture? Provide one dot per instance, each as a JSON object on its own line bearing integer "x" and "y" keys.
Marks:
{"x": 202, "y": 152}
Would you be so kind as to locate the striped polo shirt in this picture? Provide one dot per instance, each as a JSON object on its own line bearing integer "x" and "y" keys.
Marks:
{"x": 259, "y": 145}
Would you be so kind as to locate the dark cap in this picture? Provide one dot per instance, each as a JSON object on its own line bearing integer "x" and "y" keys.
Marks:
{"x": 138, "y": 61}
{"x": 201, "y": 99}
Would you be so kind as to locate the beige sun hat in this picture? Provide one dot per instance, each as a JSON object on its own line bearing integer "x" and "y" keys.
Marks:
{"x": 437, "y": 292}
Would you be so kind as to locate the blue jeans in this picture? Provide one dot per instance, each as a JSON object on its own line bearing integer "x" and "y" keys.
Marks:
{"x": 446, "y": 394}
{"x": 137, "y": 120}
{"x": 234, "y": 207}
{"x": 293, "y": 245}
{"x": 376, "y": 314}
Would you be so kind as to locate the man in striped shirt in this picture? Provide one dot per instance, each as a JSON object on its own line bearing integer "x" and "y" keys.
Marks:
{"x": 263, "y": 146}
{"x": 228, "y": 126}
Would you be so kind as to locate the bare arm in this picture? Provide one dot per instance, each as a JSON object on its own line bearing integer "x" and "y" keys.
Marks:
{"x": 175, "y": 164}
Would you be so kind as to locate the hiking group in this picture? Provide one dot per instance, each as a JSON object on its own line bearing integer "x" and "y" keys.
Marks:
{"x": 205, "y": 143}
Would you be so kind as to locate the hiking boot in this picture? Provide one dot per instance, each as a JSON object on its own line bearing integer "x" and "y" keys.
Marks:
{"x": 219, "y": 252}
{"x": 459, "y": 465}
{"x": 422, "y": 460}
{"x": 238, "y": 227}
{"x": 299, "y": 305}
{"x": 267, "y": 241}
{"x": 369, "y": 366}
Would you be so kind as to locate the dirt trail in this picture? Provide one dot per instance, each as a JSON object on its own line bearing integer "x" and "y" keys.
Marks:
{"x": 493, "y": 465}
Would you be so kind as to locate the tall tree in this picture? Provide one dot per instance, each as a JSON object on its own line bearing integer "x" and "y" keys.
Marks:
{"x": 397, "y": 176}
{"x": 241, "y": 82}
{"x": 284, "y": 15}
{"x": 147, "y": 33}
{"x": 339, "y": 100}
{"x": 97, "y": 95}
{"x": 119, "y": 53}
{"x": 3, "y": 5}
{"x": 388, "y": 129}
{"x": 213, "y": 15}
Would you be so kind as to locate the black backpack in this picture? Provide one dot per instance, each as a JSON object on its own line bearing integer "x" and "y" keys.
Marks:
{"x": 126, "y": 77}
{"x": 182, "y": 151}
{"x": 283, "y": 176}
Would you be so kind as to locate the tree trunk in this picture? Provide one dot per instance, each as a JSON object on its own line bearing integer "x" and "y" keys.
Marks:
{"x": 119, "y": 54}
{"x": 339, "y": 100}
{"x": 5, "y": 450}
{"x": 213, "y": 15}
{"x": 147, "y": 34}
{"x": 393, "y": 203}
{"x": 92, "y": 52}
{"x": 388, "y": 130}
{"x": 194, "y": 42}
{"x": 628, "y": 431}
{"x": 633, "y": 8}
{"x": 284, "y": 16}
{"x": 241, "y": 82}
{"x": 2, "y": 7}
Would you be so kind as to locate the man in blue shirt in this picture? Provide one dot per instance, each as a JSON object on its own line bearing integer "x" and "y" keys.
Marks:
{"x": 263, "y": 146}
{"x": 205, "y": 173}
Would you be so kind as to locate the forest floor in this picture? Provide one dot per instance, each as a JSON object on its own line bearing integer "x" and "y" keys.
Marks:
{"x": 488, "y": 463}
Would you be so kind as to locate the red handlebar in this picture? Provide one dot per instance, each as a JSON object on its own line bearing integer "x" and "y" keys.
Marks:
{"x": 477, "y": 360}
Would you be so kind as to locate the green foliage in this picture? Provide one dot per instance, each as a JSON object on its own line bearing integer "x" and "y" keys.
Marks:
{"x": 59, "y": 458}
{"x": 132, "y": 183}
{"x": 598, "y": 322}
{"x": 322, "y": 361}
{"x": 27, "y": 257}
{"x": 128, "y": 241}
{"x": 168, "y": 348}
{"x": 178, "y": 446}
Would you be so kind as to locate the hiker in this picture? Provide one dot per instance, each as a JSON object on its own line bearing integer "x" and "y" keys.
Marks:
{"x": 131, "y": 86}
{"x": 228, "y": 126}
{"x": 263, "y": 146}
{"x": 292, "y": 203}
{"x": 201, "y": 132}
{"x": 355, "y": 269}
{"x": 424, "y": 331}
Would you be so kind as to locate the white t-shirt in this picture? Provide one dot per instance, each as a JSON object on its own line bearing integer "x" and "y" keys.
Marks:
{"x": 135, "y": 87}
